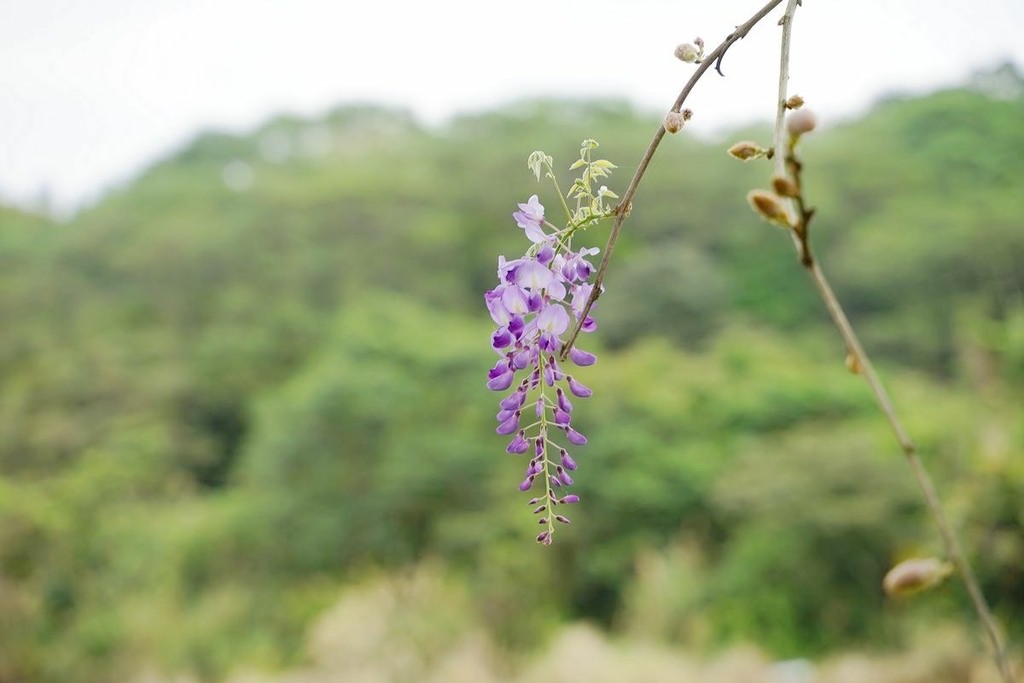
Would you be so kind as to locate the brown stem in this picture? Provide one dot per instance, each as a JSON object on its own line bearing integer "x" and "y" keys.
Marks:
{"x": 924, "y": 481}
{"x": 713, "y": 58}
{"x": 788, "y": 163}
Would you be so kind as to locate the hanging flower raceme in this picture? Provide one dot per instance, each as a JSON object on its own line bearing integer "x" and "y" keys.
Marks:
{"x": 537, "y": 300}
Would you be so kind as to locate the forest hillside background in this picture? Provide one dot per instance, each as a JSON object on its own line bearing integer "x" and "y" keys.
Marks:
{"x": 245, "y": 432}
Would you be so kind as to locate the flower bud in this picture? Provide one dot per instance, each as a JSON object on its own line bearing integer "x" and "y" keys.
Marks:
{"x": 794, "y": 102}
{"x": 688, "y": 53}
{"x": 768, "y": 206}
{"x": 746, "y": 150}
{"x": 915, "y": 575}
{"x": 785, "y": 187}
{"x": 800, "y": 122}
{"x": 673, "y": 122}
{"x": 853, "y": 364}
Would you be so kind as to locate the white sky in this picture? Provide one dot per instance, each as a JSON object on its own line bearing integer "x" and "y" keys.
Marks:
{"x": 91, "y": 91}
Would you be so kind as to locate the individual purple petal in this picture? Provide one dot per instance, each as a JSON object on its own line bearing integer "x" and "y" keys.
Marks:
{"x": 535, "y": 233}
{"x": 564, "y": 477}
{"x": 581, "y": 357}
{"x": 568, "y": 269}
{"x": 509, "y": 425}
{"x": 575, "y": 437}
{"x": 513, "y": 400}
{"x": 533, "y": 275}
{"x": 538, "y": 448}
{"x": 500, "y": 368}
{"x": 545, "y": 254}
{"x": 533, "y": 208}
{"x": 578, "y": 389}
{"x": 580, "y": 295}
{"x": 519, "y": 444}
{"x": 505, "y": 414}
{"x": 548, "y": 342}
{"x": 535, "y": 301}
{"x": 493, "y": 299}
{"x": 555, "y": 290}
{"x": 501, "y": 338}
{"x": 563, "y": 402}
{"x": 567, "y": 461}
{"x": 589, "y": 325}
{"x": 571, "y": 498}
{"x": 553, "y": 364}
{"x": 507, "y": 269}
{"x": 554, "y": 482}
{"x": 526, "y": 483}
{"x": 563, "y": 519}
{"x": 544, "y": 538}
{"x": 584, "y": 267}
{"x": 501, "y": 382}
{"x": 553, "y": 319}
{"x": 516, "y": 325}
{"x": 540, "y": 407}
{"x": 521, "y": 359}
{"x": 561, "y": 417}
{"x": 514, "y": 300}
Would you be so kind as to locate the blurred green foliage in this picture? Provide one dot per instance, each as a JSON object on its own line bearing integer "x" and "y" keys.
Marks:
{"x": 219, "y": 407}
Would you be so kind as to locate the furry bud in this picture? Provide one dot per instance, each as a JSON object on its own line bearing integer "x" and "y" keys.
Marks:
{"x": 674, "y": 122}
{"x": 800, "y": 122}
{"x": 785, "y": 187}
{"x": 915, "y": 575}
{"x": 746, "y": 150}
{"x": 688, "y": 53}
{"x": 769, "y": 206}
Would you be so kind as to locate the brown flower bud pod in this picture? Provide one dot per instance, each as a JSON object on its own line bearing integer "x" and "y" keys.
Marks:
{"x": 746, "y": 150}
{"x": 794, "y": 102}
{"x": 800, "y": 122}
{"x": 785, "y": 187}
{"x": 769, "y": 206}
{"x": 853, "y": 364}
{"x": 915, "y": 575}
{"x": 674, "y": 122}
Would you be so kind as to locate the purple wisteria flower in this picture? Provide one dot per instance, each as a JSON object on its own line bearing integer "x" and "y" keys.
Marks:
{"x": 537, "y": 298}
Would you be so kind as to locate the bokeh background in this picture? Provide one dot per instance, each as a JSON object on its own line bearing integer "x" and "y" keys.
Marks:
{"x": 244, "y": 429}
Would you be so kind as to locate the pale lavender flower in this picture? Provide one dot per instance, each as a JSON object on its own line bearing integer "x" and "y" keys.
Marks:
{"x": 530, "y": 217}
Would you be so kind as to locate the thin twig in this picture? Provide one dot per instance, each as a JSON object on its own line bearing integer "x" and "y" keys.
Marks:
{"x": 787, "y": 162}
{"x": 714, "y": 57}
{"x": 778, "y": 139}
{"x": 924, "y": 481}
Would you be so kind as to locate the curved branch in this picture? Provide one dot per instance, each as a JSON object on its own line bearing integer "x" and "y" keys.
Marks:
{"x": 787, "y": 165}
{"x": 714, "y": 57}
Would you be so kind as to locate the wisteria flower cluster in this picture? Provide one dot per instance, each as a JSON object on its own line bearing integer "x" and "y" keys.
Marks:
{"x": 537, "y": 299}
